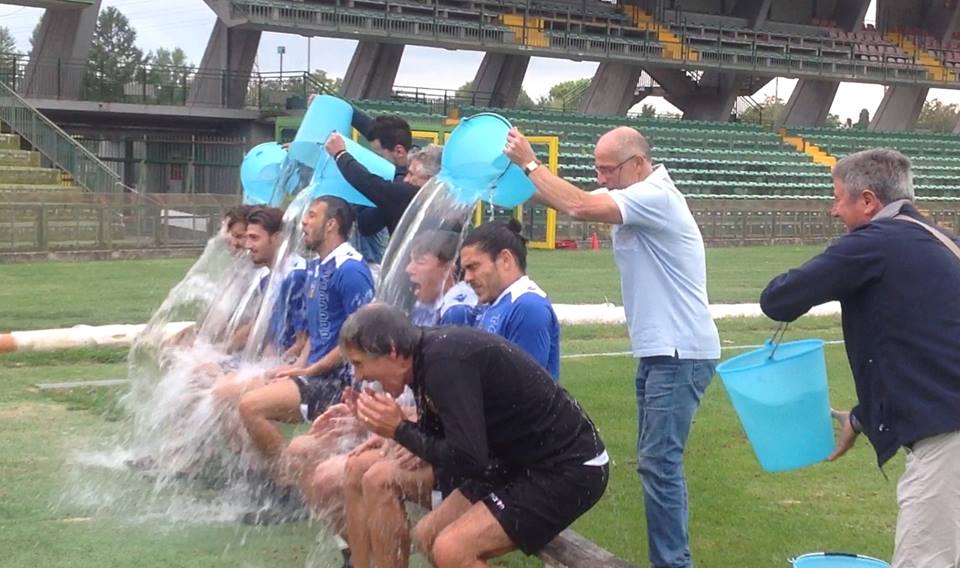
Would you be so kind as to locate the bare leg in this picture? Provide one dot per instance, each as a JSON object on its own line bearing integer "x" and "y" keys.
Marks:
{"x": 471, "y": 540}
{"x": 430, "y": 527}
{"x": 386, "y": 486}
{"x": 301, "y": 457}
{"x": 275, "y": 401}
{"x": 357, "y": 514}
{"x": 323, "y": 490}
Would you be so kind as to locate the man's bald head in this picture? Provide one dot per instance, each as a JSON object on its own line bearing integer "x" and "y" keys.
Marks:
{"x": 622, "y": 158}
{"x": 624, "y": 142}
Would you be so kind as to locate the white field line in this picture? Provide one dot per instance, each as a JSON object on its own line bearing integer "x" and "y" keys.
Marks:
{"x": 630, "y": 353}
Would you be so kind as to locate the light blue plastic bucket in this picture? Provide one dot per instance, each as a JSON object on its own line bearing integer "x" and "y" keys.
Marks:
{"x": 259, "y": 172}
{"x": 476, "y": 168}
{"x": 327, "y": 114}
{"x": 837, "y": 560}
{"x": 782, "y": 402}
{"x": 327, "y": 180}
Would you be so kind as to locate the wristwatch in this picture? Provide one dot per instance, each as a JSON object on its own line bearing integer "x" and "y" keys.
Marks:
{"x": 528, "y": 169}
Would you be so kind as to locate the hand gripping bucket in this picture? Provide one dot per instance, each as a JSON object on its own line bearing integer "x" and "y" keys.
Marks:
{"x": 780, "y": 394}
{"x": 837, "y": 560}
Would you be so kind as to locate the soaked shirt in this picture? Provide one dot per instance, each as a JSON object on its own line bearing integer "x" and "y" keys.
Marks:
{"x": 499, "y": 410}
{"x": 458, "y": 306}
{"x": 335, "y": 288}
{"x": 524, "y": 315}
{"x": 287, "y": 316}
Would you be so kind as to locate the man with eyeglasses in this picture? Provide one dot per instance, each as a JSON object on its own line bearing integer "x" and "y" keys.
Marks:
{"x": 659, "y": 251}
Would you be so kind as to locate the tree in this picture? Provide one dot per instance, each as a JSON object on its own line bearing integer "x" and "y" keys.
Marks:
{"x": 168, "y": 75}
{"x": 35, "y": 37}
{"x": 648, "y": 111}
{"x": 466, "y": 94}
{"x": 566, "y": 95}
{"x": 115, "y": 59}
{"x": 937, "y": 117}
{"x": 832, "y": 121}
{"x": 765, "y": 113}
{"x": 329, "y": 84}
{"x": 864, "y": 121}
{"x": 8, "y": 43}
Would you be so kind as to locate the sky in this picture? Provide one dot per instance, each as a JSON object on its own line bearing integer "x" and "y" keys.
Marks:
{"x": 187, "y": 24}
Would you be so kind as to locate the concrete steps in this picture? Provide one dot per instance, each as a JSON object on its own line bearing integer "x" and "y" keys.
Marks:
{"x": 22, "y": 172}
{"x": 23, "y": 158}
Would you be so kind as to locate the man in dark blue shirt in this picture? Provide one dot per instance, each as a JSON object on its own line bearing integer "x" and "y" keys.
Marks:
{"x": 896, "y": 278}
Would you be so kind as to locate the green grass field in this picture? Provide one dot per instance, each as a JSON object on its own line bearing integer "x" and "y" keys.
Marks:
{"x": 57, "y": 294}
{"x": 740, "y": 516}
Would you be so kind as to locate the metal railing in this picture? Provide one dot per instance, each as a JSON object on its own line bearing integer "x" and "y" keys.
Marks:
{"x": 58, "y": 146}
{"x": 149, "y": 84}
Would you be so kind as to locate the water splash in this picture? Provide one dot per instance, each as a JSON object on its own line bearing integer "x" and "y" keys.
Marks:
{"x": 170, "y": 462}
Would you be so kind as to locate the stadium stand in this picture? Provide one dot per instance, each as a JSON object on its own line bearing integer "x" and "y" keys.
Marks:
{"x": 934, "y": 156}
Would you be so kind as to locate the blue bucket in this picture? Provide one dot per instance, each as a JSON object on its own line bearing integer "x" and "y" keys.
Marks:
{"x": 474, "y": 164}
{"x": 837, "y": 560}
{"x": 326, "y": 115}
{"x": 327, "y": 179}
{"x": 259, "y": 172}
{"x": 782, "y": 402}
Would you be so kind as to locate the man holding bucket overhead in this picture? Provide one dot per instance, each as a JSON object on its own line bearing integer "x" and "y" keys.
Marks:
{"x": 895, "y": 275}
{"x": 659, "y": 251}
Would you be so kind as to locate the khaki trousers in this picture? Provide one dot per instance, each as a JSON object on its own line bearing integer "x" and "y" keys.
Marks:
{"x": 928, "y": 494}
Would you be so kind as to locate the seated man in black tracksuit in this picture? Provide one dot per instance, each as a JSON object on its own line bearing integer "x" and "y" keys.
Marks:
{"x": 391, "y": 198}
{"x": 532, "y": 459}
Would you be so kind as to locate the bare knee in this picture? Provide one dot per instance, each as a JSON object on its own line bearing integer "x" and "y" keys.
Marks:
{"x": 250, "y": 406}
{"x": 301, "y": 447}
{"x": 379, "y": 478}
{"x": 354, "y": 471}
{"x": 423, "y": 535}
{"x": 447, "y": 552}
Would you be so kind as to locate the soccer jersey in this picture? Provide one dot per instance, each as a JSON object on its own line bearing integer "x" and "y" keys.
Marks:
{"x": 335, "y": 288}
{"x": 458, "y": 306}
{"x": 523, "y": 315}
{"x": 287, "y": 317}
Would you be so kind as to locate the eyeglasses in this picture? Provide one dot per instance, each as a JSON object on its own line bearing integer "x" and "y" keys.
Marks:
{"x": 607, "y": 171}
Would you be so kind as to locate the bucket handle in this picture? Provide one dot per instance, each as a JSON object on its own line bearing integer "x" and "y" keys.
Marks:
{"x": 793, "y": 560}
{"x": 777, "y": 338}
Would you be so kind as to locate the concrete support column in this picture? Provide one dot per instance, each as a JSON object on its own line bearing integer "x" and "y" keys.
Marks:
{"x": 224, "y": 73}
{"x": 612, "y": 90}
{"x": 899, "y": 109}
{"x": 372, "y": 71}
{"x": 712, "y": 100}
{"x": 59, "y": 58}
{"x": 809, "y": 103}
{"x": 499, "y": 79}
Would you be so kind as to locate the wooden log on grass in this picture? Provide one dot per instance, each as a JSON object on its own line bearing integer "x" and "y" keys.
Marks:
{"x": 571, "y": 550}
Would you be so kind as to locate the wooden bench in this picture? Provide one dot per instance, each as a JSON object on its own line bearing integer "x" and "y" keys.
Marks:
{"x": 571, "y": 550}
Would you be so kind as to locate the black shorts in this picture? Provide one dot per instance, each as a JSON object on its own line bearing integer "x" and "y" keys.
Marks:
{"x": 320, "y": 392}
{"x": 537, "y": 504}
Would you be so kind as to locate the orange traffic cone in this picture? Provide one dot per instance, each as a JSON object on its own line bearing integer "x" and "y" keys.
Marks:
{"x": 594, "y": 242}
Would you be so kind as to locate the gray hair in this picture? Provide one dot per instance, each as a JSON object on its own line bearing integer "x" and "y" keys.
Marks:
{"x": 429, "y": 158}
{"x": 883, "y": 171}
{"x": 378, "y": 329}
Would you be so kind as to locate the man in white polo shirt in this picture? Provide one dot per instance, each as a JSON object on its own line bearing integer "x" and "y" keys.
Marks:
{"x": 659, "y": 251}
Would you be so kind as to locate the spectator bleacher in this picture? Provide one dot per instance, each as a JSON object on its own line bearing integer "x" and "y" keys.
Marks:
{"x": 935, "y": 157}
{"x": 704, "y": 158}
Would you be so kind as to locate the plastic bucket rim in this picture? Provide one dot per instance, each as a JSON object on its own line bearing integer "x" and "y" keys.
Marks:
{"x": 811, "y": 555}
{"x": 724, "y": 366}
